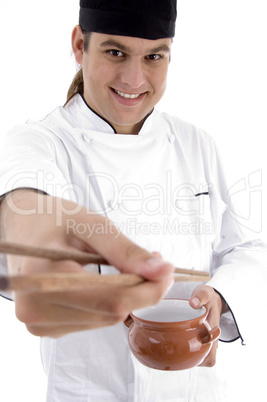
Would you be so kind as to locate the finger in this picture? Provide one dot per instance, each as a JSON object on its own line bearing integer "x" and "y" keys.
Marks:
{"x": 80, "y": 307}
{"x": 47, "y": 316}
{"x": 57, "y": 319}
{"x": 122, "y": 253}
{"x": 201, "y": 296}
{"x": 139, "y": 261}
{"x": 204, "y": 295}
{"x": 157, "y": 255}
{"x": 210, "y": 360}
{"x": 57, "y": 331}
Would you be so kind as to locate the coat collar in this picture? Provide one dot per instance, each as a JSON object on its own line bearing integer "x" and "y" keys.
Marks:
{"x": 88, "y": 119}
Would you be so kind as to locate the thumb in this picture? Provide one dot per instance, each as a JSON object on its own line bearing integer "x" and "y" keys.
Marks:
{"x": 201, "y": 296}
{"x": 128, "y": 257}
{"x": 154, "y": 268}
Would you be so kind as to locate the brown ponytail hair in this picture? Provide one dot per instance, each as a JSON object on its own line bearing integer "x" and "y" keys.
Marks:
{"x": 76, "y": 86}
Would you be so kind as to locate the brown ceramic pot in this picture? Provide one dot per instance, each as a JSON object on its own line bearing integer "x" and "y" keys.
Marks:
{"x": 171, "y": 335}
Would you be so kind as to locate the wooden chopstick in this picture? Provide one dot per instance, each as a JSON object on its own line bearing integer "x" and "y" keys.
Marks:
{"x": 58, "y": 282}
{"x": 70, "y": 281}
{"x": 51, "y": 254}
{"x": 52, "y": 282}
{"x": 78, "y": 256}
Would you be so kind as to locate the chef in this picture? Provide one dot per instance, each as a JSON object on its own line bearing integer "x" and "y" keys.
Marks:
{"x": 109, "y": 173}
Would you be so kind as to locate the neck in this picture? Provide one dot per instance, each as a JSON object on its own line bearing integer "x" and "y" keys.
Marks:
{"x": 118, "y": 129}
{"x": 133, "y": 130}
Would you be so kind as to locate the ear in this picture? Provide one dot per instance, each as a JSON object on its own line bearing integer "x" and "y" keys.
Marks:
{"x": 77, "y": 41}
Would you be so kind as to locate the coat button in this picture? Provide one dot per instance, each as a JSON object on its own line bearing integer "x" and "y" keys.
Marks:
{"x": 112, "y": 205}
{"x": 172, "y": 138}
{"x": 87, "y": 139}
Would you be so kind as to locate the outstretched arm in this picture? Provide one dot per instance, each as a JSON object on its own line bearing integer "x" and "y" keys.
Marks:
{"x": 37, "y": 219}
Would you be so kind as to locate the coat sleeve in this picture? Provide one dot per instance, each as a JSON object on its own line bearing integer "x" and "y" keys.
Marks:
{"x": 28, "y": 160}
{"x": 239, "y": 259}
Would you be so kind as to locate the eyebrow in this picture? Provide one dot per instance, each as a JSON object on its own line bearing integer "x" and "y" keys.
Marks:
{"x": 114, "y": 43}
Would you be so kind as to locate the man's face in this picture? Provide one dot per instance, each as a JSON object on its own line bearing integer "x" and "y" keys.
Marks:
{"x": 124, "y": 78}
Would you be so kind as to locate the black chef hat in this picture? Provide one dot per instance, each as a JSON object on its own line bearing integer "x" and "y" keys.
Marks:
{"x": 148, "y": 19}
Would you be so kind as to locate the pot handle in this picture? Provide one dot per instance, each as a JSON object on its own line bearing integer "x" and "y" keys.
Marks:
{"x": 128, "y": 321}
{"x": 212, "y": 336}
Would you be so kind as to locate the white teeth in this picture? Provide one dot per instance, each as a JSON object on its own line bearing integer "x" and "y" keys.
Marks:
{"x": 127, "y": 96}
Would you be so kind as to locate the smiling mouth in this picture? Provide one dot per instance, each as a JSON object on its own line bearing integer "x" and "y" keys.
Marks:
{"x": 125, "y": 95}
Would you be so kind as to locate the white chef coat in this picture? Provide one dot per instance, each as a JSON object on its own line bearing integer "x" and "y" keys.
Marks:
{"x": 164, "y": 188}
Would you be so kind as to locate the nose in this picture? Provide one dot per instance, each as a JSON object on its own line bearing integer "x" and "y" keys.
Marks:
{"x": 133, "y": 74}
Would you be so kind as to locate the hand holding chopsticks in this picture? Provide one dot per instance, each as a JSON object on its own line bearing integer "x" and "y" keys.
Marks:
{"x": 72, "y": 281}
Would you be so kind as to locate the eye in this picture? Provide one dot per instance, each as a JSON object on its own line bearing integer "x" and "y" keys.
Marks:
{"x": 115, "y": 53}
{"x": 154, "y": 57}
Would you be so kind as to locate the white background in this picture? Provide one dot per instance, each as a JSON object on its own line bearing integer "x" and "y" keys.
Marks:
{"x": 217, "y": 81}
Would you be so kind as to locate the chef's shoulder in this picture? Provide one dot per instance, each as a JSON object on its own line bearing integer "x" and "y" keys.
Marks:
{"x": 184, "y": 130}
{"x": 46, "y": 132}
